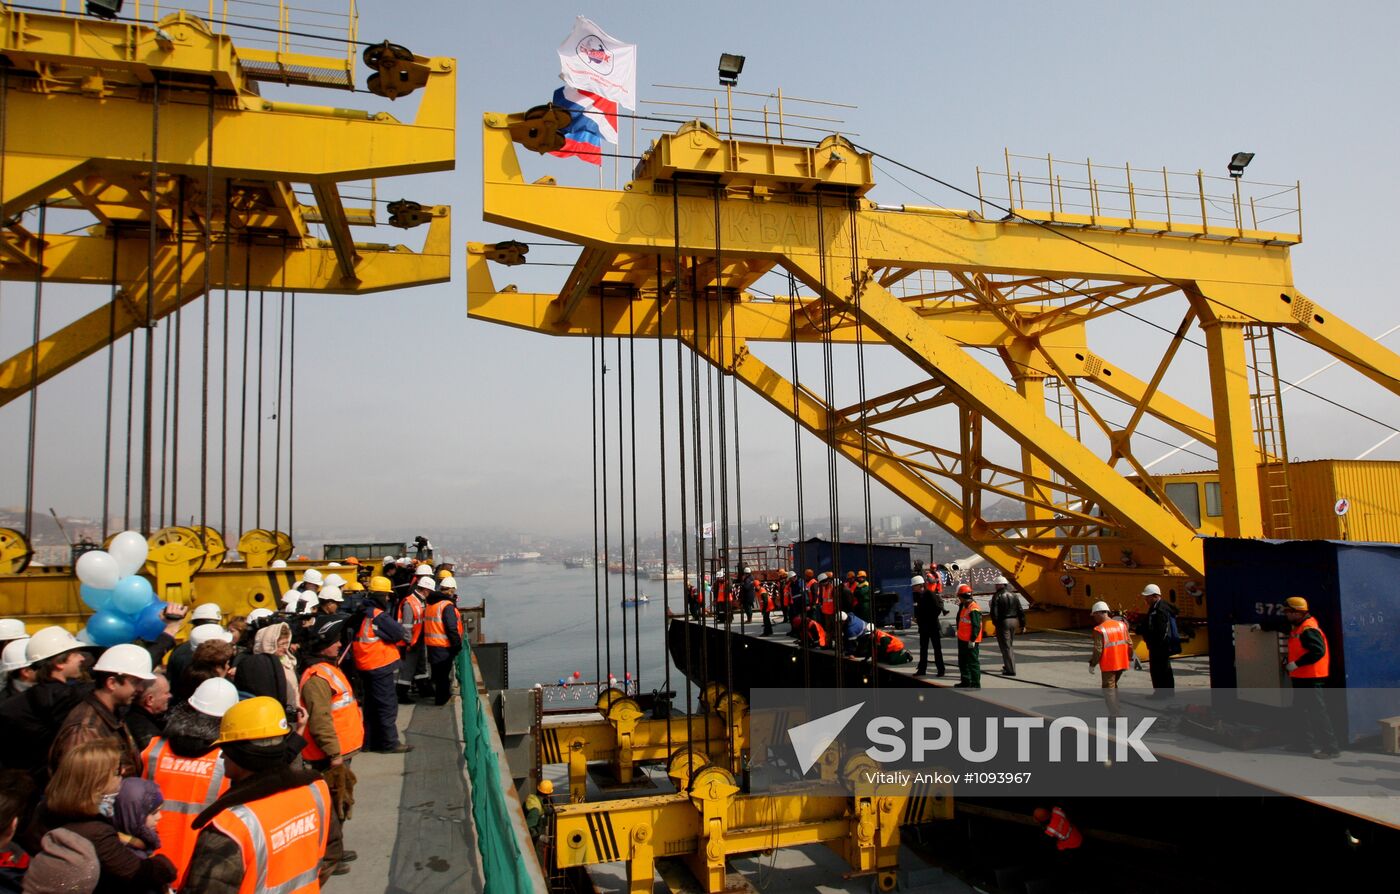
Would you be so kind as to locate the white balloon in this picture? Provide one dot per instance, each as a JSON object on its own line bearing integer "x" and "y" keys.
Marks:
{"x": 98, "y": 569}
{"x": 129, "y": 548}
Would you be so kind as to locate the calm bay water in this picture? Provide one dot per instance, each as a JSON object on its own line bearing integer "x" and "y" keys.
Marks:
{"x": 546, "y": 613}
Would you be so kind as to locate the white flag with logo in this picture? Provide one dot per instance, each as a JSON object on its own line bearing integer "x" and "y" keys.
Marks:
{"x": 596, "y": 62}
{"x": 707, "y": 531}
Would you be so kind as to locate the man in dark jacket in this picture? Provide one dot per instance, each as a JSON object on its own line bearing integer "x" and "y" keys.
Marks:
{"x": 748, "y": 594}
{"x": 16, "y": 792}
{"x": 31, "y": 719}
{"x": 1155, "y": 630}
{"x": 116, "y": 677}
{"x": 928, "y": 613}
{"x": 183, "y": 654}
{"x": 146, "y": 719}
{"x": 442, "y": 635}
{"x": 1009, "y": 618}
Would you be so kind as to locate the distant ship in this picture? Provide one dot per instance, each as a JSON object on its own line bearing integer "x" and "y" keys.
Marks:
{"x": 577, "y": 562}
{"x": 480, "y": 569}
{"x": 520, "y": 557}
{"x": 640, "y": 600}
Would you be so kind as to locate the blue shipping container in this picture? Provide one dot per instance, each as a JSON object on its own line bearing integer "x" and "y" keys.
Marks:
{"x": 1351, "y": 589}
{"x": 889, "y": 568}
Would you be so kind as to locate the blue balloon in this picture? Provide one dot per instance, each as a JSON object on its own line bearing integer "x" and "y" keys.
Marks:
{"x": 149, "y": 624}
{"x": 109, "y": 629}
{"x": 94, "y": 598}
{"x": 132, "y": 594}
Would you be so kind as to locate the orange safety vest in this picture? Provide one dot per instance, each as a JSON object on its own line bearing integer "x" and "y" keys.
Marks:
{"x": 369, "y": 651}
{"x": 282, "y": 839}
{"x": 434, "y": 631}
{"x": 345, "y": 712}
{"x": 1116, "y": 653}
{"x": 721, "y": 592}
{"x": 1066, "y": 836}
{"x": 1318, "y": 669}
{"x": 965, "y": 631}
{"x": 413, "y": 622}
{"x": 889, "y": 643}
{"x": 815, "y": 631}
{"x": 828, "y": 593}
{"x": 189, "y": 785}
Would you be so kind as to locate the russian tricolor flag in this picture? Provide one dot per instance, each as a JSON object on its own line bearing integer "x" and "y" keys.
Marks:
{"x": 594, "y": 120}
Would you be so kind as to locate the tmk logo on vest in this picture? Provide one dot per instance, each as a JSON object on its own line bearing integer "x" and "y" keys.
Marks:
{"x": 294, "y": 829}
{"x": 191, "y": 765}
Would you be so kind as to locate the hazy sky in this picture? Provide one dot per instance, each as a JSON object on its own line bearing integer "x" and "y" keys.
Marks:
{"x": 409, "y": 415}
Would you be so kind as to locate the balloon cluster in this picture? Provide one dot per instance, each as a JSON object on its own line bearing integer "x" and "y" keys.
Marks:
{"x": 125, "y": 602}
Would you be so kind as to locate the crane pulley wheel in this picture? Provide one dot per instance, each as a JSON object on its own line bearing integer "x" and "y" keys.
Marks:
{"x": 386, "y": 55}
{"x": 14, "y": 551}
{"x": 683, "y": 763}
{"x": 176, "y": 546}
{"x": 214, "y": 547}
{"x": 258, "y": 547}
{"x": 607, "y": 697}
{"x": 541, "y": 128}
{"x": 284, "y": 545}
{"x": 407, "y": 214}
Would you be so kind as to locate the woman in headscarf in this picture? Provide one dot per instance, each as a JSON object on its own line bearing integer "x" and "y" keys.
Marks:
{"x": 272, "y": 669}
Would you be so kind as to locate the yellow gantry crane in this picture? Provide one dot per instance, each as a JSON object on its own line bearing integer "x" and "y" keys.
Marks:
{"x": 155, "y": 138}
{"x": 675, "y": 253}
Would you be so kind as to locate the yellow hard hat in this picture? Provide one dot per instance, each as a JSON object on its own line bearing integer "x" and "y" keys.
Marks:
{"x": 860, "y": 574}
{"x": 352, "y": 561}
{"x": 443, "y": 572}
{"x": 545, "y": 787}
{"x": 255, "y": 718}
{"x": 352, "y": 586}
{"x": 380, "y": 584}
{"x": 1297, "y": 603}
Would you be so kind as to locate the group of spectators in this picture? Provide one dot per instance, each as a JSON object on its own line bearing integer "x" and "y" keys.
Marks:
{"x": 136, "y": 768}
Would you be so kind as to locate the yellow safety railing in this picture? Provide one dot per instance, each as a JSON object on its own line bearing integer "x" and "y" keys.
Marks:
{"x": 1121, "y": 196}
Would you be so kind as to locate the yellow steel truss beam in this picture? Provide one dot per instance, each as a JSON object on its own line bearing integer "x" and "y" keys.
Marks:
{"x": 1030, "y": 286}
{"x": 272, "y": 266}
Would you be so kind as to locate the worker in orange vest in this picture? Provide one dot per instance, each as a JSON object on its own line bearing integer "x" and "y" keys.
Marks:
{"x": 1112, "y": 653}
{"x": 1308, "y": 665}
{"x": 335, "y": 732}
{"x": 189, "y": 768}
{"x": 969, "y": 640}
{"x": 376, "y": 654}
{"x": 268, "y": 831}
{"x": 442, "y": 634}
{"x": 826, "y": 599}
{"x": 1058, "y": 827}
{"x": 410, "y": 617}
{"x": 721, "y": 591}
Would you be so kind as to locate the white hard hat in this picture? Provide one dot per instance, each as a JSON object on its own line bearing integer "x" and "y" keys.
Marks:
{"x": 49, "y": 642}
{"x": 404, "y": 561}
{"x": 207, "y": 611}
{"x": 1099, "y": 607}
{"x": 330, "y": 594}
{"x": 128, "y": 659}
{"x": 333, "y": 565}
{"x": 12, "y": 628}
{"x": 13, "y": 658}
{"x": 279, "y": 563}
{"x": 312, "y": 576}
{"x": 423, "y": 569}
{"x": 823, "y": 576}
{"x": 387, "y": 560}
{"x": 1152, "y": 590}
{"x": 448, "y": 583}
{"x": 258, "y": 614}
{"x": 208, "y": 633}
{"x": 792, "y": 574}
{"x": 916, "y": 580}
{"x": 214, "y": 697}
{"x": 1001, "y": 581}
{"x": 843, "y": 616}
{"x": 748, "y": 570}
{"x": 426, "y": 583}
{"x": 334, "y": 580}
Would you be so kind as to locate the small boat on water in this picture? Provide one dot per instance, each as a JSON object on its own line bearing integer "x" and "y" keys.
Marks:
{"x": 640, "y": 600}
{"x": 577, "y": 562}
